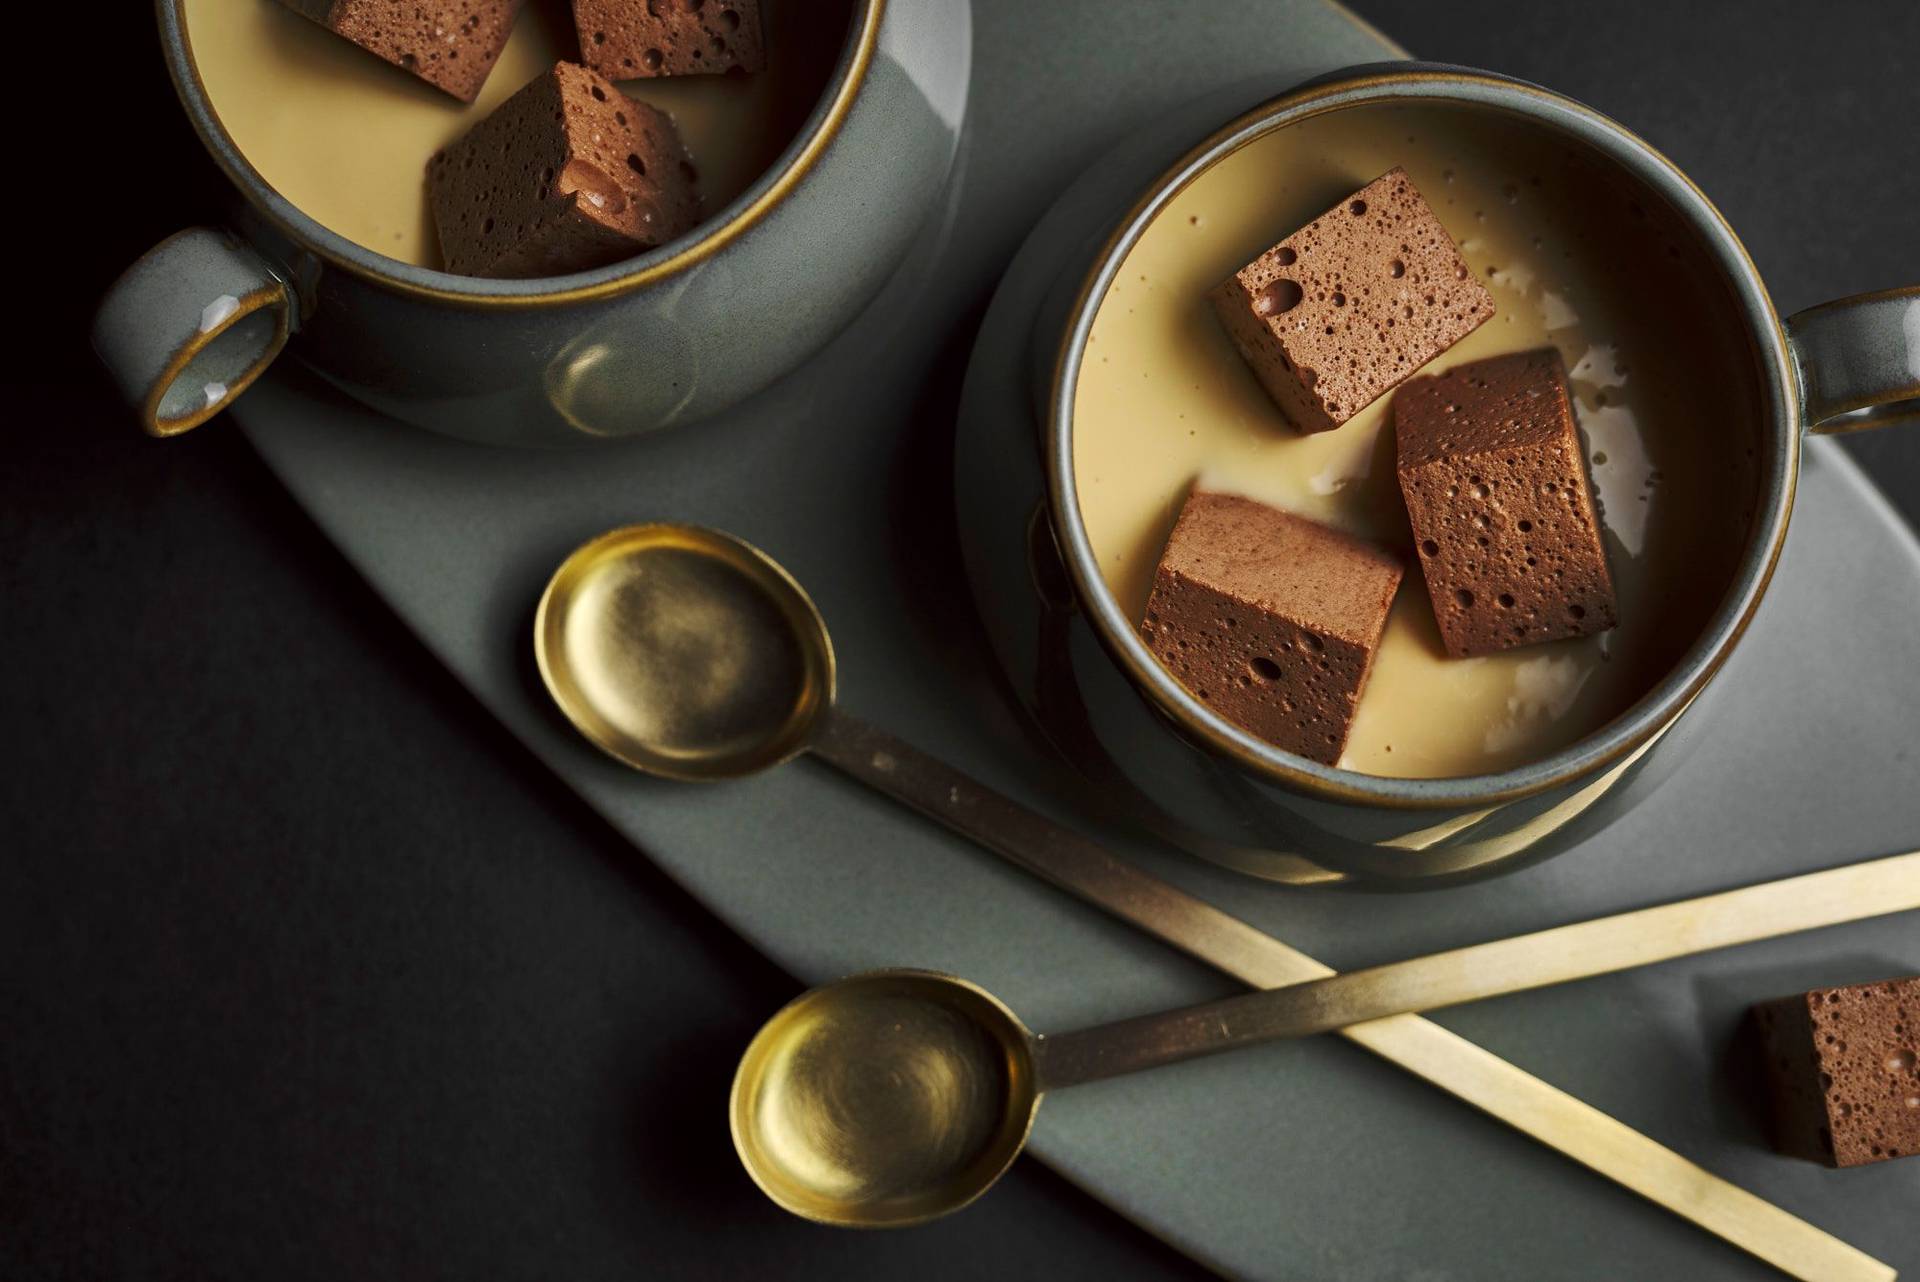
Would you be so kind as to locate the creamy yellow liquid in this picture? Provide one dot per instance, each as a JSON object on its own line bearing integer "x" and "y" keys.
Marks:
{"x": 346, "y": 136}
{"x": 1164, "y": 402}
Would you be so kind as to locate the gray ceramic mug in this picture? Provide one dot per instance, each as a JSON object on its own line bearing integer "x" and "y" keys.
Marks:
{"x": 1153, "y": 748}
{"x": 661, "y": 339}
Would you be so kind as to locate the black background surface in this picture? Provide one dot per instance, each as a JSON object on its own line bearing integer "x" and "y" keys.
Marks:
{"x": 308, "y": 970}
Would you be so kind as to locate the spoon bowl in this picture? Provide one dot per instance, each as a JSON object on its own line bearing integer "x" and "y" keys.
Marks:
{"x": 884, "y": 1099}
{"x": 684, "y": 652}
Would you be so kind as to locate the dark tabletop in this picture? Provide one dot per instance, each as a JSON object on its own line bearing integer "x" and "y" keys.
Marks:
{"x": 305, "y": 963}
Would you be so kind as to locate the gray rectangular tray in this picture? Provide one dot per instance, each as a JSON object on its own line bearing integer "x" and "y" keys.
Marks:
{"x": 1306, "y": 1160}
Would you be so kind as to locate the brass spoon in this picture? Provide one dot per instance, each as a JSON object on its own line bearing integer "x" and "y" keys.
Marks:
{"x": 692, "y": 655}
{"x": 900, "y": 1095}
{"x": 689, "y": 654}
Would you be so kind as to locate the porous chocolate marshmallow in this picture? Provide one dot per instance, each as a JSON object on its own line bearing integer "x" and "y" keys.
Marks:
{"x": 566, "y": 175}
{"x": 628, "y": 38}
{"x": 1843, "y": 1071}
{"x": 450, "y": 44}
{"x": 1495, "y": 482}
{"x": 1347, "y": 308}
{"x": 1271, "y": 619}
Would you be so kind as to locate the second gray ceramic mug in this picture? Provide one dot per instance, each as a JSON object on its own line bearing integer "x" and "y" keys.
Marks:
{"x": 1217, "y": 790}
{"x": 670, "y": 337}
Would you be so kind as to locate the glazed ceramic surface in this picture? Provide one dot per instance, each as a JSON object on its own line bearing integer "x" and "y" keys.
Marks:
{"x": 1307, "y": 1161}
{"x": 671, "y": 337}
{"x": 1176, "y": 765}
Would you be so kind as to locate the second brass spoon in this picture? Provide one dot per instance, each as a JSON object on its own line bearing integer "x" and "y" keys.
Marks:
{"x": 900, "y": 1095}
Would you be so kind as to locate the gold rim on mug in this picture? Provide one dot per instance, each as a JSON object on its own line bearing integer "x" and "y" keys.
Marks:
{"x": 1668, "y": 698}
{"x": 710, "y": 237}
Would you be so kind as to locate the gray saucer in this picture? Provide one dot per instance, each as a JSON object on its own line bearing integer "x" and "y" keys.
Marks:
{"x": 1308, "y": 1160}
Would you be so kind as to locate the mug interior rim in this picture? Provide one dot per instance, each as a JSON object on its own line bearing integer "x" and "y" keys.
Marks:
{"x": 711, "y": 235}
{"x": 1648, "y": 716}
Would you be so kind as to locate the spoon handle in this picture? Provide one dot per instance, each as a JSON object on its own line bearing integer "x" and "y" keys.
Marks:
{"x": 1027, "y": 838}
{"x": 1600, "y": 946}
{"x": 1467, "y": 1071}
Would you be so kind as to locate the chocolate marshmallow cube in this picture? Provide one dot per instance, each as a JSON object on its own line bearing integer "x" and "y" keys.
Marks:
{"x": 1347, "y": 308}
{"x": 629, "y": 38}
{"x": 1495, "y": 481}
{"x": 1271, "y": 619}
{"x": 568, "y": 174}
{"x": 450, "y": 44}
{"x": 1843, "y": 1071}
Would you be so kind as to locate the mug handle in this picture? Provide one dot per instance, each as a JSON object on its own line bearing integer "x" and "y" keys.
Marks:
{"x": 1859, "y": 361}
{"x": 190, "y": 325}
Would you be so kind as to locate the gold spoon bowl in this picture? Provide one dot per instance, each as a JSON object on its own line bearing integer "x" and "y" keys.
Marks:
{"x": 684, "y": 652}
{"x": 887, "y": 1099}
